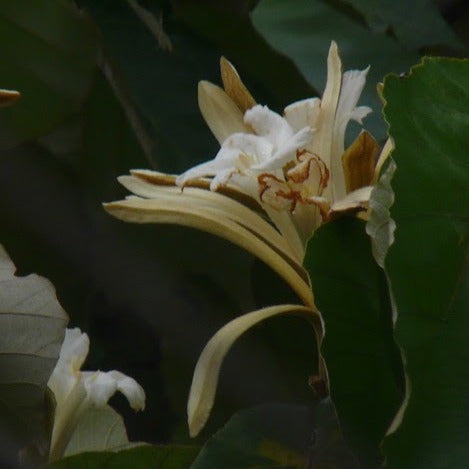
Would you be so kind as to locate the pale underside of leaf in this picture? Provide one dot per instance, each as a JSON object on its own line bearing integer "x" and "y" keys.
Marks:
{"x": 205, "y": 379}
{"x": 32, "y": 325}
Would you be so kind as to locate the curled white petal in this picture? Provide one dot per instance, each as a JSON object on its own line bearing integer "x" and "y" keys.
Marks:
{"x": 99, "y": 387}
{"x": 130, "y": 389}
{"x": 287, "y": 150}
{"x": 269, "y": 124}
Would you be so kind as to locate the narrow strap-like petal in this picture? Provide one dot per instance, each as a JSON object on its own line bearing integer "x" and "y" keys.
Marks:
{"x": 205, "y": 379}
{"x": 139, "y": 210}
{"x": 220, "y": 112}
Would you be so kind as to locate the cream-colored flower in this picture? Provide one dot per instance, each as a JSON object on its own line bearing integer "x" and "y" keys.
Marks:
{"x": 75, "y": 391}
{"x": 295, "y": 166}
{"x": 274, "y": 180}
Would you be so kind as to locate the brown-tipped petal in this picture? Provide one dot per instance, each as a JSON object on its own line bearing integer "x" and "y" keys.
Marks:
{"x": 220, "y": 112}
{"x": 385, "y": 152}
{"x": 234, "y": 87}
{"x": 352, "y": 202}
{"x": 358, "y": 162}
{"x": 8, "y": 97}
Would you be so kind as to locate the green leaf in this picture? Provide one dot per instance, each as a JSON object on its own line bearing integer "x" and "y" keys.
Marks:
{"x": 33, "y": 325}
{"x": 159, "y": 85}
{"x": 416, "y": 24}
{"x": 303, "y": 30}
{"x": 362, "y": 360}
{"x": 278, "y": 436}
{"x": 428, "y": 263}
{"x": 98, "y": 429}
{"x": 142, "y": 457}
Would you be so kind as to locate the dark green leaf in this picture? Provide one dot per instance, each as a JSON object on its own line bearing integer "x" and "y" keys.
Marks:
{"x": 142, "y": 457}
{"x": 278, "y": 436}
{"x": 52, "y": 67}
{"x": 304, "y": 29}
{"x": 428, "y": 264}
{"x": 362, "y": 360}
{"x": 416, "y": 24}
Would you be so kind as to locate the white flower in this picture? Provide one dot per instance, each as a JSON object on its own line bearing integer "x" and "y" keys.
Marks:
{"x": 75, "y": 391}
{"x": 273, "y": 182}
{"x": 294, "y": 166}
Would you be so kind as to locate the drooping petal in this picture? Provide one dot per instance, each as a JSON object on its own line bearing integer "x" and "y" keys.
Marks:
{"x": 205, "y": 379}
{"x": 220, "y": 112}
{"x": 101, "y": 386}
{"x": 303, "y": 113}
{"x": 139, "y": 210}
{"x": 130, "y": 389}
{"x": 215, "y": 202}
{"x": 234, "y": 87}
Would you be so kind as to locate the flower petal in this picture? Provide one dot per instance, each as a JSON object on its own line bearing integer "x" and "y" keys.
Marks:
{"x": 8, "y": 97}
{"x": 303, "y": 113}
{"x": 130, "y": 389}
{"x": 205, "y": 379}
{"x": 322, "y": 141}
{"x": 287, "y": 150}
{"x": 234, "y": 87}
{"x": 353, "y": 82}
{"x": 139, "y": 210}
{"x": 268, "y": 124}
{"x": 100, "y": 386}
{"x": 384, "y": 155}
{"x": 220, "y": 112}
{"x": 215, "y": 202}
{"x": 356, "y": 200}
{"x": 72, "y": 355}
{"x": 358, "y": 162}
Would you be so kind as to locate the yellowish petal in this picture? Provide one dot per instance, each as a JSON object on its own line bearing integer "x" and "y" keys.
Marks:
{"x": 358, "y": 162}
{"x": 356, "y": 200}
{"x": 234, "y": 87}
{"x": 384, "y": 155}
{"x": 8, "y": 97}
{"x": 217, "y": 203}
{"x": 220, "y": 112}
{"x": 138, "y": 210}
{"x": 205, "y": 379}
